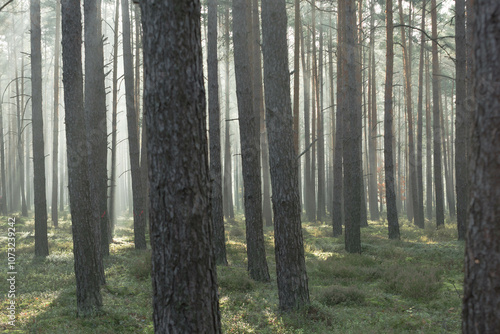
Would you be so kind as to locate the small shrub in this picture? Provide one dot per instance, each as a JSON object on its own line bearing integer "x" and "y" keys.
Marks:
{"x": 237, "y": 232}
{"x": 140, "y": 267}
{"x": 235, "y": 279}
{"x": 336, "y": 294}
{"x": 412, "y": 281}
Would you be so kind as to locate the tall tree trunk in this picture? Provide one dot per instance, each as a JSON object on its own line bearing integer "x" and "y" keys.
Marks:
{"x": 352, "y": 134}
{"x": 228, "y": 184}
{"x": 481, "y": 303}
{"x": 249, "y": 135}
{"x": 258, "y": 101}
{"x": 332, "y": 115}
{"x": 291, "y": 272}
{"x": 20, "y": 146}
{"x": 184, "y": 270}
{"x": 55, "y": 132}
{"x": 296, "y": 77}
{"x": 95, "y": 116}
{"x": 392, "y": 210}
{"x": 428, "y": 136}
{"x": 3, "y": 200}
{"x": 41, "y": 241}
{"x": 112, "y": 183}
{"x": 338, "y": 179}
{"x": 133, "y": 140}
{"x": 420, "y": 178}
{"x": 214, "y": 135}
{"x": 461, "y": 142}
{"x": 419, "y": 220}
{"x": 88, "y": 296}
{"x": 438, "y": 177}
{"x": 372, "y": 129}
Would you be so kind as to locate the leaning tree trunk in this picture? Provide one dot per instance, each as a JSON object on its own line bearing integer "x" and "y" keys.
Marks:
{"x": 291, "y": 272}
{"x": 41, "y": 241}
{"x": 392, "y": 210}
{"x": 184, "y": 272}
{"x": 249, "y": 134}
{"x": 481, "y": 304}
{"x": 438, "y": 176}
{"x": 214, "y": 135}
{"x": 133, "y": 140}
{"x": 88, "y": 296}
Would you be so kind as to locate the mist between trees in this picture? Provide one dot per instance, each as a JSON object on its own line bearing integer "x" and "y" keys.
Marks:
{"x": 185, "y": 118}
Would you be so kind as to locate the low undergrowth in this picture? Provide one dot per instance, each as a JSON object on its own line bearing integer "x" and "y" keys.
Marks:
{"x": 408, "y": 286}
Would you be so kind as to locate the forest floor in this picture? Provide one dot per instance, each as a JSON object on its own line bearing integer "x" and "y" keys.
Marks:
{"x": 409, "y": 286}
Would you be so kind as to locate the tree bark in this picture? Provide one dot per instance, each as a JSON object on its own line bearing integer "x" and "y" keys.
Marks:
{"x": 214, "y": 135}
{"x": 428, "y": 136}
{"x": 184, "y": 271}
{"x": 133, "y": 140}
{"x": 438, "y": 177}
{"x": 392, "y": 210}
{"x": 291, "y": 272}
{"x": 41, "y": 241}
{"x": 420, "y": 178}
{"x": 481, "y": 303}
{"x": 88, "y": 296}
{"x": 55, "y": 131}
{"x": 250, "y": 139}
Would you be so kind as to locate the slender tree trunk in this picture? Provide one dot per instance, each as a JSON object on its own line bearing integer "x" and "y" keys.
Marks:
{"x": 214, "y": 135}
{"x": 352, "y": 134}
{"x": 55, "y": 132}
{"x": 184, "y": 271}
{"x": 3, "y": 200}
{"x": 133, "y": 140}
{"x": 291, "y": 272}
{"x": 249, "y": 135}
{"x": 419, "y": 220}
{"x": 392, "y": 211}
{"x": 420, "y": 179}
{"x": 112, "y": 190}
{"x": 88, "y": 296}
{"x": 428, "y": 136}
{"x": 481, "y": 303}
{"x": 332, "y": 115}
{"x": 41, "y": 241}
{"x": 258, "y": 101}
{"x": 461, "y": 143}
{"x": 438, "y": 177}
{"x": 228, "y": 184}
{"x": 338, "y": 180}
{"x": 20, "y": 146}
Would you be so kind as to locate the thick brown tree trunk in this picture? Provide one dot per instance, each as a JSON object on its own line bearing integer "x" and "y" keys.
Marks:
{"x": 250, "y": 139}
{"x": 88, "y": 296}
{"x": 481, "y": 304}
{"x": 184, "y": 270}
{"x": 291, "y": 272}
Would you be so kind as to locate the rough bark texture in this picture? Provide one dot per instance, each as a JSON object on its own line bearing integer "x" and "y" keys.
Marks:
{"x": 438, "y": 176}
{"x": 352, "y": 135}
{"x": 481, "y": 304}
{"x": 55, "y": 129}
{"x": 291, "y": 272}
{"x": 41, "y": 242}
{"x": 95, "y": 117}
{"x": 250, "y": 142}
{"x": 461, "y": 142}
{"x": 184, "y": 272}
{"x": 392, "y": 210}
{"x": 88, "y": 296}
{"x": 214, "y": 127}
{"x": 133, "y": 140}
